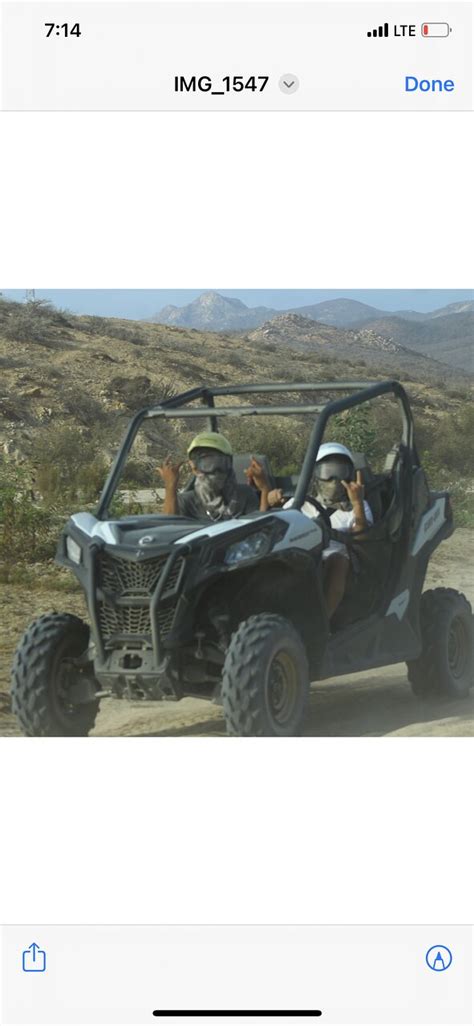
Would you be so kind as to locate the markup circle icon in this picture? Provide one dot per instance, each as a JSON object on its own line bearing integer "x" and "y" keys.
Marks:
{"x": 438, "y": 958}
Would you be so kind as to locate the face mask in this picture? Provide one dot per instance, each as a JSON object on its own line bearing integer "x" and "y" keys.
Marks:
{"x": 331, "y": 492}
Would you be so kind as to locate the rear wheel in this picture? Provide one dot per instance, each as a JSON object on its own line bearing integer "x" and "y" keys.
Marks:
{"x": 265, "y": 683}
{"x": 446, "y": 664}
{"x": 47, "y": 680}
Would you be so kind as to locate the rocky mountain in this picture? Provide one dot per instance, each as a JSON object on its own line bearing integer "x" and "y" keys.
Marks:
{"x": 464, "y": 307}
{"x": 369, "y": 345}
{"x": 342, "y": 313}
{"x": 445, "y": 334}
{"x": 445, "y": 337}
{"x": 213, "y": 312}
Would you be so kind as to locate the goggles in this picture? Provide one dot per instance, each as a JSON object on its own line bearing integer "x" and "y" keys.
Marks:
{"x": 334, "y": 468}
{"x": 210, "y": 462}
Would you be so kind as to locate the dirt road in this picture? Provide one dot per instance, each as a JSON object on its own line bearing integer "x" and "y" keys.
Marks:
{"x": 375, "y": 703}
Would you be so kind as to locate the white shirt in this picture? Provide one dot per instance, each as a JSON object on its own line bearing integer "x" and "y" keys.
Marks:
{"x": 341, "y": 520}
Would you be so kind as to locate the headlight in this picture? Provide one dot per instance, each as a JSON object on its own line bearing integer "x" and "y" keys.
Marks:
{"x": 73, "y": 550}
{"x": 257, "y": 544}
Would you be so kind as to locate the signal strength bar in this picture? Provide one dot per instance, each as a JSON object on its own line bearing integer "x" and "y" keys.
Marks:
{"x": 381, "y": 31}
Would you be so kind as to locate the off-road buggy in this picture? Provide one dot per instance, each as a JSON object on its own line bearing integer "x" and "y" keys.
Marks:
{"x": 235, "y": 610}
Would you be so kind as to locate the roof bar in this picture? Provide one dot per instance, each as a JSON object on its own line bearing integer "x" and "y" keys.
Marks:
{"x": 233, "y": 411}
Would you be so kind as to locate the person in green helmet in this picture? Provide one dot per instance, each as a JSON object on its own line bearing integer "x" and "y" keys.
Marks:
{"x": 215, "y": 495}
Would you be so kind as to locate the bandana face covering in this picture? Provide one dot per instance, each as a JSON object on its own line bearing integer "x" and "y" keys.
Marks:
{"x": 215, "y": 484}
{"x": 331, "y": 493}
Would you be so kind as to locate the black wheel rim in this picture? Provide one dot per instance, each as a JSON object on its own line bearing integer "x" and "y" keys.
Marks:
{"x": 64, "y": 675}
{"x": 282, "y": 688}
{"x": 457, "y": 648}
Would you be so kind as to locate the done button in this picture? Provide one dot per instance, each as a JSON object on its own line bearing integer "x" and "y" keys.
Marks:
{"x": 428, "y": 85}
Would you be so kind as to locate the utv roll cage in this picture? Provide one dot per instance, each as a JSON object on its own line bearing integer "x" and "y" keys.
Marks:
{"x": 177, "y": 407}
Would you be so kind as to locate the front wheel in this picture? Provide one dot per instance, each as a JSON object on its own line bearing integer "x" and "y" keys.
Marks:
{"x": 446, "y": 664}
{"x": 265, "y": 683}
{"x": 47, "y": 678}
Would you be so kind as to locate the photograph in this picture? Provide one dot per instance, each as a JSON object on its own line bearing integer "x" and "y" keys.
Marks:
{"x": 242, "y": 513}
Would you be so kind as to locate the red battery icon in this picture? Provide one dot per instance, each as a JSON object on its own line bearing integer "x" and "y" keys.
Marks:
{"x": 435, "y": 29}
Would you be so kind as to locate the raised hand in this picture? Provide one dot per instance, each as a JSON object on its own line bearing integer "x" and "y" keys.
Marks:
{"x": 276, "y": 497}
{"x": 256, "y": 475}
{"x": 355, "y": 489}
{"x": 169, "y": 471}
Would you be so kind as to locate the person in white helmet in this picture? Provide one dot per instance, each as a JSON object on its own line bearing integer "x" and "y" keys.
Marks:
{"x": 340, "y": 490}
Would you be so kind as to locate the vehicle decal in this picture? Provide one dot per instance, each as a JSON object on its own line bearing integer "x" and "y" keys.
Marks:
{"x": 213, "y": 530}
{"x": 303, "y": 532}
{"x": 429, "y": 524}
{"x": 94, "y": 528}
{"x": 399, "y": 605}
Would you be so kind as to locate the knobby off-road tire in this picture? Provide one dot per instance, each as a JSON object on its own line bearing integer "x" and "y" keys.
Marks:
{"x": 446, "y": 664}
{"x": 265, "y": 682}
{"x": 40, "y": 676}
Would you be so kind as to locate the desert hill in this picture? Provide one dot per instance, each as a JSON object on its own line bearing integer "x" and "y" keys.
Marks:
{"x": 445, "y": 337}
{"x": 445, "y": 334}
{"x": 370, "y": 344}
{"x": 92, "y": 373}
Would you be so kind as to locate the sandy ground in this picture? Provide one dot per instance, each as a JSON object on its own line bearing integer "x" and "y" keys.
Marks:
{"x": 372, "y": 704}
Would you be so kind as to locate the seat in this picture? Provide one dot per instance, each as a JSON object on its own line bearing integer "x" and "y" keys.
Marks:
{"x": 242, "y": 460}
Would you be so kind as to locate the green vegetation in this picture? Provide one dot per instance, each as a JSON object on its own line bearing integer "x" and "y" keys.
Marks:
{"x": 28, "y": 529}
{"x": 69, "y": 468}
{"x": 37, "y": 321}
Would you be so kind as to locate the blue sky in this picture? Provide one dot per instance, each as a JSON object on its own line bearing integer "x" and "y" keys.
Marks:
{"x": 142, "y": 303}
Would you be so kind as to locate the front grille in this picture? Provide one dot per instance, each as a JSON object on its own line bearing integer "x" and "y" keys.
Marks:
{"x": 127, "y": 578}
{"x": 124, "y": 620}
{"x": 124, "y": 579}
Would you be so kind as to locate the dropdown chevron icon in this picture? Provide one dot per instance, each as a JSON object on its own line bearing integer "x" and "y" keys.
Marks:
{"x": 289, "y": 83}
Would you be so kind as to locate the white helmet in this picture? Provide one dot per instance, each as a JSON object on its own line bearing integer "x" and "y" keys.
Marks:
{"x": 334, "y": 464}
{"x": 333, "y": 449}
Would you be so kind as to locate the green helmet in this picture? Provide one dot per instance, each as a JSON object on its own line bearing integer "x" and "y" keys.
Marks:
{"x": 211, "y": 440}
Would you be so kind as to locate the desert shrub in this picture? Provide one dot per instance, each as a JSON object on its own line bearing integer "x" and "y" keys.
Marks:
{"x": 123, "y": 334}
{"x": 84, "y": 408}
{"x": 14, "y": 407}
{"x": 34, "y": 321}
{"x": 136, "y": 473}
{"x": 23, "y": 327}
{"x": 454, "y": 445}
{"x": 139, "y": 391}
{"x": 68, "y": 466}
{"x": 93, "y": 326}
{"x": 459, "y": 393}
{"x": 282, "y": 440}
{"x": 8, "y": 362}
{"x": 355, "y": 428}
{"x": 234, "y": 360}
{"x": 28, "y": 531}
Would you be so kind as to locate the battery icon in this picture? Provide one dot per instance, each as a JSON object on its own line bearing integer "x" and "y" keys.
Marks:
{"x": 435, "y": 29}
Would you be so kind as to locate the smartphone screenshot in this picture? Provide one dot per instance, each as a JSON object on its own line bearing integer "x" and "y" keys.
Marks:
{"x": 236, "y": 512}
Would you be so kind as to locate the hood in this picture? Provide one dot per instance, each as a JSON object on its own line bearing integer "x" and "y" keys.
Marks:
{"x": 143, "y": 531}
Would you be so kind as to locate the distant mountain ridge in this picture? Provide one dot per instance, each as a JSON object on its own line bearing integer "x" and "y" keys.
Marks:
{"x": 213, "y": 312}
{"x": 445, "y": 334}
{"x": 365, "y": 346}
